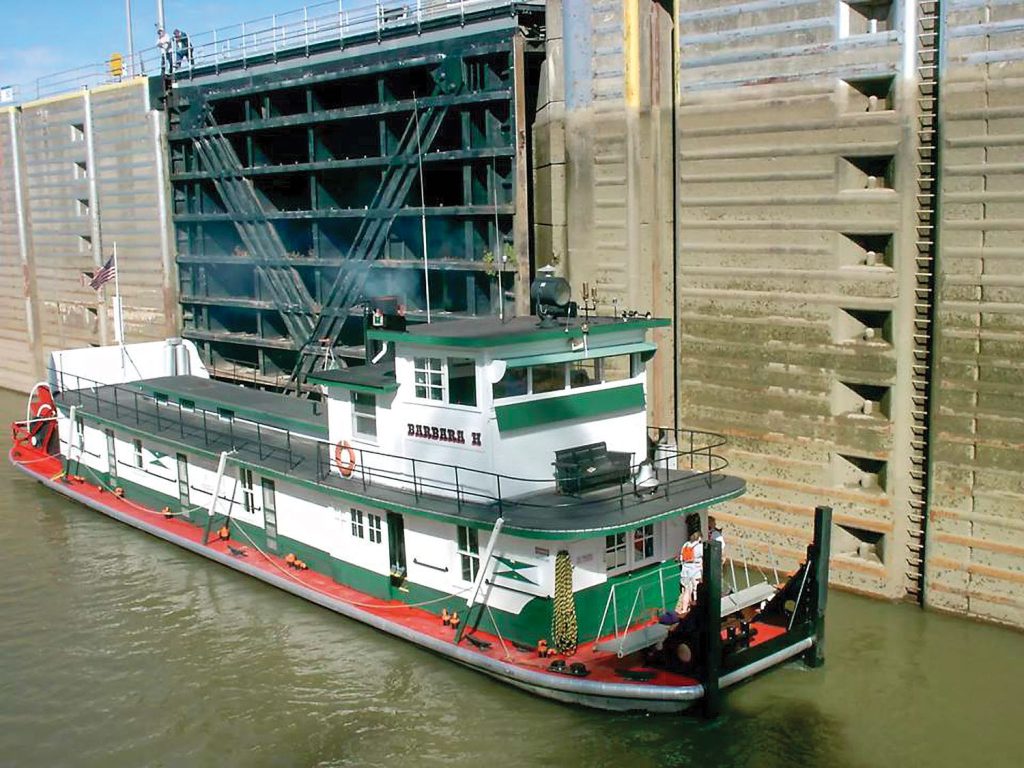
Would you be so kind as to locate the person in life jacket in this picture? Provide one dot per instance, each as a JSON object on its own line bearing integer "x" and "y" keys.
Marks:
{"x": 691, "y": 558}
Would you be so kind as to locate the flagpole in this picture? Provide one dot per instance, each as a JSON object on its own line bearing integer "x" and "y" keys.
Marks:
{"x": 118, "y": 311}
{"x": 423, "y": 208}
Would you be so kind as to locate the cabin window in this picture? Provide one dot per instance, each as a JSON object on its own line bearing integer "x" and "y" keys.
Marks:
{"x": 137, "y": 445}
{"x": 428, "y": 377}
{"x": 512, "y": 384}
{"x": 643, "y": 543}
{"x": 248, "y": 502}
{"x": 79, "y": 432}
{"x": 469, "y": 552}
{"x": 358, "y": 530}
{"x": 615, "y": 552}
{"x": 461, "y": 381}
{"x": 364, "y": 414}
{"x": 616, "y": 368}
{"x": 585, "y": 373}
{"x": 375, "y": 528}
{"x": 548, "y": 378}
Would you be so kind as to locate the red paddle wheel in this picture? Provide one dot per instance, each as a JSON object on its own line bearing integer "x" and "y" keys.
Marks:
{"x": 39, "y": 429}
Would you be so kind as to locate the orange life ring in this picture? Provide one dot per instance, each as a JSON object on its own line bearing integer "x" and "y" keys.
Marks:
{"x": 346, "y": 467}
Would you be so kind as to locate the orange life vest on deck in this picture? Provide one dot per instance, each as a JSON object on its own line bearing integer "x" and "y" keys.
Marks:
{"x": 688, "y": 554}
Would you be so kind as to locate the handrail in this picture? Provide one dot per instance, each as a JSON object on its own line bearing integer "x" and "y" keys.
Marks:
{"x": 424, "y": 477}
{"x": 293, "y": 32}
{"x": 612, "y": 601}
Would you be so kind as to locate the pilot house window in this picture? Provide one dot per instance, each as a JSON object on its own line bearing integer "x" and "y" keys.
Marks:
{"x": 429, "y": 385}
{"x": 461, "y": 381}
{"x": 364, "y": 414}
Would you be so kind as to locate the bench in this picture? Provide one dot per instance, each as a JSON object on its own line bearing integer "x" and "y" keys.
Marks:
{"x": 586, "y": 467}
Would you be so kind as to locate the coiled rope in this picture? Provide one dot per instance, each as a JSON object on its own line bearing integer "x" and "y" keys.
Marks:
{"x": 564, "y": 631}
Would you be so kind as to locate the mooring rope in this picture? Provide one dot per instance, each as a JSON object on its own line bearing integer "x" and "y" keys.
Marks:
{"x": 564, "y": 634}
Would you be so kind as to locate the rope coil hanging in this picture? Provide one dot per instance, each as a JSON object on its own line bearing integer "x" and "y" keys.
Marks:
{"x": 564, "y": 634}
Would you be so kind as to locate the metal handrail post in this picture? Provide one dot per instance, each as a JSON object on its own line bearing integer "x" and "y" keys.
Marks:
{"x": 341, "y": 24}
{"x": 501, "y": 506}
{"x": 117, "y": 414}
{"x": 244, "y": 63}
{"x": 181, "y": 420}
{"x": 458, "y": 489}
{"x": 206, "y": 431}
{"x": 288, "y": 442}
{"x": 415, "y": 482}
{"x": 305, "y": 28}
{"x": 156, "y": 406}
{"x": 259, "y": 442}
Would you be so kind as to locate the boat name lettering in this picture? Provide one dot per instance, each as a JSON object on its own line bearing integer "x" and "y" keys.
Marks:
{"x": 443, "y": 434}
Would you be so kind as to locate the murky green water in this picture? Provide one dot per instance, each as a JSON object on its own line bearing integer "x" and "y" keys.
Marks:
{"x": 117, "y": 649}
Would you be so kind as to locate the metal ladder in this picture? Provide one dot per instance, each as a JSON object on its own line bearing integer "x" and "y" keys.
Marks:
{"x": 924, "y": 299}
{"x": 369, "y": 242}
{"x": 286, "y": 290}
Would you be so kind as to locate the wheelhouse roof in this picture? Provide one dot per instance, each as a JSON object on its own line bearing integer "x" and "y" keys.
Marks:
{"x": 483, "y": 332}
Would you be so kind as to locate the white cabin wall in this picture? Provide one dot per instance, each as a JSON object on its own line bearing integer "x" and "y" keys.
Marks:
{"x": 530, "y": 453}
{"x": 361, "y": 552}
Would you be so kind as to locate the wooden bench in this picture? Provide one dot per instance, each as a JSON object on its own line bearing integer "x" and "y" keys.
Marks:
{"x": 586, "y": 467}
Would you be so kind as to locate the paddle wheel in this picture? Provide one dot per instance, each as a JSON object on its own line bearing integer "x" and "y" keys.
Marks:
{"x": 39, "y": 429}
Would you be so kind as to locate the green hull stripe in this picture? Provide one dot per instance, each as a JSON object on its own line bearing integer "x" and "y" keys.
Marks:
{"x": 533, "y": 622}
{"x": 578, "y": 405}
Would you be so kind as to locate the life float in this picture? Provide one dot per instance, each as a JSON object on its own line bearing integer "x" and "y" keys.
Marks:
{"x": 345, "y": 458}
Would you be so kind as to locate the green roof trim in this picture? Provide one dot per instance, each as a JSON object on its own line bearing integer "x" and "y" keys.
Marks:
{"x": 641, "y": 347}
{"x": 366, "y": 389}
{"x": 485, "y": 340}
{"x": 576, "y": 405}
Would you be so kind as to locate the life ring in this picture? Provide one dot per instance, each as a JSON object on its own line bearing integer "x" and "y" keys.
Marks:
{"x": 345, "y": 466}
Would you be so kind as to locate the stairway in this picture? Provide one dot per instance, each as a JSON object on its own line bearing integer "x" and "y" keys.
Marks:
{"x": 260, "y": 239}
{"x": 924, "y": 294}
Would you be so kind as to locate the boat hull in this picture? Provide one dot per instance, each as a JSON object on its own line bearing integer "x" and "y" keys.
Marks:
{"x": 563, "y": 688}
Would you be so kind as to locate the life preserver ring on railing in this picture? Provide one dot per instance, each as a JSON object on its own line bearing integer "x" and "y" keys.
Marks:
{"x": 345, "y": 458}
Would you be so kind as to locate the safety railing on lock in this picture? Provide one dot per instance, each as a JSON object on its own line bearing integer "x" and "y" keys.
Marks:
{"x": 269, "y": 445}
{"x": 305, "y": 30}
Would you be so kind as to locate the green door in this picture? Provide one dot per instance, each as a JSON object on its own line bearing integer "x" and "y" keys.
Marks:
{"x": 396, "y": 550}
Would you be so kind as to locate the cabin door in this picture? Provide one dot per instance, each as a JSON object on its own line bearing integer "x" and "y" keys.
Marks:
{"x": 396, "y": 549}
{"x": 183, "y": 494}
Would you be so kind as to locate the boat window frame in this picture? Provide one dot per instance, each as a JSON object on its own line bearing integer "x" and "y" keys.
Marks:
{"x": 363, "y": 416}
{"x": 429, "y": 387}
{"x": 467, "y": 544}
{"x": 374, "y": 525}
{"x": 617, "y": 545}
{"x": 137, "y": 452}
{"x": 628, "y": 544}
{"x": 358, "y": 526}
{"x": 248, "y": 492}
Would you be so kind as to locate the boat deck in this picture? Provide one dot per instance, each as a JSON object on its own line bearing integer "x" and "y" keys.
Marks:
{"x": 544, "y": 513}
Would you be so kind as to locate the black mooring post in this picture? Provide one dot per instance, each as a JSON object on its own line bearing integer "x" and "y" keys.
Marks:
{"x": 815, "y": 655}
{"x": 711, "y": 621}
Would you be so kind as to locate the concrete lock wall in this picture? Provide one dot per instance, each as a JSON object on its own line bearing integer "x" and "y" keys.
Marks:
{"x": 78, "y": 173}
{"x": 845, "y": 291}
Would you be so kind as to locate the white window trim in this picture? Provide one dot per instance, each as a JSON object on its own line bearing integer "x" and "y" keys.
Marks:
{"x": 468, "y": 553}
{"x": 364, "y": 436}
{"x": 632, "y": 563}
{"x": 445, "y": 391}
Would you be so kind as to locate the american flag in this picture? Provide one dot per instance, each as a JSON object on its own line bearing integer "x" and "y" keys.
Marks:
{"x": 104, "y": 274}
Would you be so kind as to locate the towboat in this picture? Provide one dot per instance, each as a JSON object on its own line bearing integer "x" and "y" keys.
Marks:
{"x": 487, "y": 489}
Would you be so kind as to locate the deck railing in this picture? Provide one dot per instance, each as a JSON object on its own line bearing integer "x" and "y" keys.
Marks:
{"x": 306, "y": 30}
{"x": 293, "y": 451}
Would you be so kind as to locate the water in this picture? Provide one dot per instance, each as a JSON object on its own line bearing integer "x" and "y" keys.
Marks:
{"x": 117, "y": 649}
